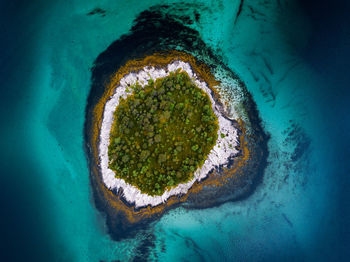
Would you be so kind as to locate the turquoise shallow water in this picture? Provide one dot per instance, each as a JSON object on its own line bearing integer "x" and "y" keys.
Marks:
{"x": 296, "y": 214}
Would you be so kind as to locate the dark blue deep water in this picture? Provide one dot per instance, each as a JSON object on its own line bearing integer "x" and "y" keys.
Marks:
{"x": 293, "y": 57}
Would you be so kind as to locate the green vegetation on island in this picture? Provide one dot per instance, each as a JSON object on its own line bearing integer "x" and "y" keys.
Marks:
{"x": 162, "y": 133}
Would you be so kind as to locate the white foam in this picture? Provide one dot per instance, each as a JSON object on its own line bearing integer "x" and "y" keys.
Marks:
{"x": 223, "y": 150}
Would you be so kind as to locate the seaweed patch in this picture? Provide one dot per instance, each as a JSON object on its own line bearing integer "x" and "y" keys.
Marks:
{"x": 160, "y": 41}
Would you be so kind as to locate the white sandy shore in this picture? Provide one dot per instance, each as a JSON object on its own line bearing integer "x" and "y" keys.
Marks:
{"x": 219, "y": 155}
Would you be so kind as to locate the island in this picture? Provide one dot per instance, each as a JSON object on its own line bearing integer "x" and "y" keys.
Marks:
{"x": 161, "y": 132}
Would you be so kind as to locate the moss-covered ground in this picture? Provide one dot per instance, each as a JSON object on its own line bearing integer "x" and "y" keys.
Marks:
{"x": 162, "y": 133}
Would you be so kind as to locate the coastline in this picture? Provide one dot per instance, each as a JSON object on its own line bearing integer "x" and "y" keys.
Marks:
{"x": 236, "y": 182}
{"x": 219, "y": 157}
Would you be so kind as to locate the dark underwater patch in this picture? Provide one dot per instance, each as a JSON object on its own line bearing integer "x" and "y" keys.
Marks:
{"x": 165, "y": 28}
{"x": 97, "y": 11}
{"x": 297, "y": 136}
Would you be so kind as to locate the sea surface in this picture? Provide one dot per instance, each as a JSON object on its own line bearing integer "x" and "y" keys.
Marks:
{"x": 293, "y": 57}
